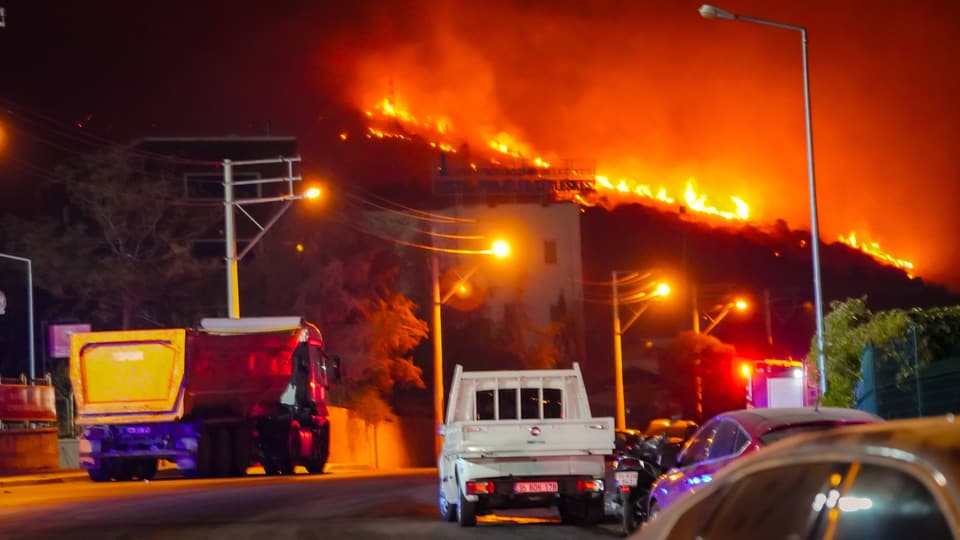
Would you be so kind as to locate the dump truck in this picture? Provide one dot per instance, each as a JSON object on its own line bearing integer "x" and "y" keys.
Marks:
{"x": 213, "y": 399}
{"x": 522, "y": 439}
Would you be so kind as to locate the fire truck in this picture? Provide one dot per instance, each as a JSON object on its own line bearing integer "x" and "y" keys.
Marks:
{"x": 775, "y": 383}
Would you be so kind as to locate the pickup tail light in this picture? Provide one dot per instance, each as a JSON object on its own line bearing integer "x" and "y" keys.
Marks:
{"x": 589, "y": 485}
{"x": 476, "y": 488}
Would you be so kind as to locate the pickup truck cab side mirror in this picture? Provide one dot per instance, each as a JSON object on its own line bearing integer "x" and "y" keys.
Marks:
{"x": 441, "y": 430}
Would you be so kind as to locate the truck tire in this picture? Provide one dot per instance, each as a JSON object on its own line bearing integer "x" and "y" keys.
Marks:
{"x": 593, "y": 512}
{"x": 123, "y": 470}
{"x": 147, "y": 469}
{"x": 223, "y": 450}
{"x": 466, "y": 510}
{"x": 242, "y": 449}
{"x": 204, "y": 457}
{"x": 100, "y": 474}
{"x": 321, "y": 450}
{"x": 448, "y": 510}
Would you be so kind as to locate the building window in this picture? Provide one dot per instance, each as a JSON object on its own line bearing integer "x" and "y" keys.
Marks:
{"x": 550, "y": 252}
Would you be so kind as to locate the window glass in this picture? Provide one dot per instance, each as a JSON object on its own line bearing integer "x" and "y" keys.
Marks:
{"x": 743, "y": 440}
{"x": 508, "y": 403}
{"x": 773, "y": 503}
{"x": 552, "y": 403}
{"x": 485, "y": 405}
{"x": 699, "y": 445}
{"x": 724, "y": 440}
{"x": 884, "y": 502}
{"x": 529, "y": 403}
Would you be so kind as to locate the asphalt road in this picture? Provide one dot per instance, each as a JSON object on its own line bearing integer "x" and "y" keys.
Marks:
{"x": 341, "y": 506}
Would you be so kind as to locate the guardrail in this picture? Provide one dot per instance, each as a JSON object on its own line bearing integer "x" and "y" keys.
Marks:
{"x": 27, "y": 403}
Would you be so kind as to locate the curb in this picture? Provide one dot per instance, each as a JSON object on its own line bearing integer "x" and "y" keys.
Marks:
{"x": 45, "y": 478}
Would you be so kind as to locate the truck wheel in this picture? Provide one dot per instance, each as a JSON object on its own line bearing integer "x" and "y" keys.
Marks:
{"x": 466, "y": 510}
{"x": 288, "y": 463}
{"x": 124, "y": 470}
{"x": 593, "y": 512}
{"x": 321, "y": 450}
{"x": 448, "y": 510}
{"x": 242, "y": 444}
{"x": 223, "y": 445}
{"x": 568, "y": 509}
{"x": 147, "y": 469}
{"x": 100, "y": 474}
{"x": 204, "y": 457}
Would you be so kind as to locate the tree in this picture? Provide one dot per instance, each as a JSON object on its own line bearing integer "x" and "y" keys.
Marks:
{"x": 690, "y": 355}
{"x": 346, "y": 283}
{"x": 851, "y": 326}
{"x": 119, "y": 254}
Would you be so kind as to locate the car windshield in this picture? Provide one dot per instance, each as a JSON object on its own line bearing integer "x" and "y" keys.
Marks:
{"x": 780, "y": 432}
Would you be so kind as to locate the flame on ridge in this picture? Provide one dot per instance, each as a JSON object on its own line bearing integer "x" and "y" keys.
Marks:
{"x": 438, "y": 132}
{"x": 873, "y": 249}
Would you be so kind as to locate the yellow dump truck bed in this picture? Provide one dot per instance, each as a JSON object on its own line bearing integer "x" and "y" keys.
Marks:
{"x": 128, "y": 376}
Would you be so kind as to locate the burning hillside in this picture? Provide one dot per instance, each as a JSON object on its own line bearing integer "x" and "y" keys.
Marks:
{"x": 388, "y": 120}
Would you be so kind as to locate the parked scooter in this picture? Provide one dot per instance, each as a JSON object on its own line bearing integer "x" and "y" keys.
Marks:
{"x": 635, "y": 472}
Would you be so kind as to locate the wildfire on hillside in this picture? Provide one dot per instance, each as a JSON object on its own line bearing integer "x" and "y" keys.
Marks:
{"x": 439, "y": 133}
{"x": 873, "y": 249}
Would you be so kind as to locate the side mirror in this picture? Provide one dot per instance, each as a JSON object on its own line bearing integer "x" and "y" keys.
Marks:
{"x": 441, "y": 430}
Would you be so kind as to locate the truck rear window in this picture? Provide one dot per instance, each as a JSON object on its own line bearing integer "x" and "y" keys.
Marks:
{"x": 529, "y": 404}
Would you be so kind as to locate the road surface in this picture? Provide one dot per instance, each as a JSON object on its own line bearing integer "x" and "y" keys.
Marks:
{"x": 342, "y": 506}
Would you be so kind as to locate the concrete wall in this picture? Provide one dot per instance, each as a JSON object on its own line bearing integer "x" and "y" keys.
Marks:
{"x": 28, "y": 450}
{"x": 405, "y": 442}
{"x": 354, "y": 444}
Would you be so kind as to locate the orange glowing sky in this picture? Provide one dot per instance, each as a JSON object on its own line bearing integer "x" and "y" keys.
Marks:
{"x": 651, "y": 90}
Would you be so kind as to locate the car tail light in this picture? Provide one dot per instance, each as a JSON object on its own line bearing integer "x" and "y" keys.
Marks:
{"x": 474, "y": 488}
{"x": 589, "y": 485}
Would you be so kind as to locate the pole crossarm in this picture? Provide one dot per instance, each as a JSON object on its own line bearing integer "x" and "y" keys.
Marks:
{"x": 633, "y": 318}
{"x": 230, "y": 203}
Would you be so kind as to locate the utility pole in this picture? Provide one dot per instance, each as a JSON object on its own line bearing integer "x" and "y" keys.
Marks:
{"x": 766, "y": 316}
{"x": 230, "y": 203}
{"x": 437, "y": 353}
{"x": 3, "y": 17}
{"x": 618, "y": 358}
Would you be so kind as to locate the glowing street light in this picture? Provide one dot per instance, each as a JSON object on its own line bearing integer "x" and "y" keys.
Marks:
{"x": 660, "y": 290}
{"x": 712, "y": 12}
{"x": 312, "y": 193}
{"x": 500, "y": 249}
{"x": 741, "y": 305}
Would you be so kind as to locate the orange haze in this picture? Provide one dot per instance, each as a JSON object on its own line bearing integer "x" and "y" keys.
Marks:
{"x": 651, "y": 91}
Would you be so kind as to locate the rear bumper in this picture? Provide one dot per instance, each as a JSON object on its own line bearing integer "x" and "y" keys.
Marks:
{"x": 505, "y": 494}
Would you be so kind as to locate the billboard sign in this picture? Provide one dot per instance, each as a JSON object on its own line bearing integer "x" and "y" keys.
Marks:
{"x": 59, "y": 338}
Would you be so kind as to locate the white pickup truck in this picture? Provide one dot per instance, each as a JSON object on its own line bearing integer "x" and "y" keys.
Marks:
{"x": 522, "y": 439}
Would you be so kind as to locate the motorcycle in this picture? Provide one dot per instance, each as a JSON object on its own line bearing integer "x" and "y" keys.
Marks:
{"x": 634, "y": 474}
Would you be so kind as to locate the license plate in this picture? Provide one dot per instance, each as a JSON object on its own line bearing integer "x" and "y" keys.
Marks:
{"x": 535, "y": 487}
{"x": 627, "y": 478}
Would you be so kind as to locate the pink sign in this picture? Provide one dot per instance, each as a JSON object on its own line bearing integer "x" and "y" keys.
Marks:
{"x": 60, "y": 338}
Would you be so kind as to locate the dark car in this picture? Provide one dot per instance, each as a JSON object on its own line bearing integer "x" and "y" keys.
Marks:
{"x": 898, "y": 479}
{"x": 732, "y": 435}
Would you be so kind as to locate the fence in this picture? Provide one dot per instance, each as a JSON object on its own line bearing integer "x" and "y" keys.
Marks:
{"x": 895, "y": 385}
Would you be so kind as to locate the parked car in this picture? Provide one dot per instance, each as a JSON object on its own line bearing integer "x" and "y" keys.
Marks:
{"x": 899, "y": 479}
{"x": 736, "y": 434}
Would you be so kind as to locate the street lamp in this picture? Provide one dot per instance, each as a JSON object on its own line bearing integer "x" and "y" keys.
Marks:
{"x": 31, "y": 370}
{"x": 644, "y": 296}
{"x": 229, "y": 203}
{"x": 739, "y": 304}
{"x": 500, "y": 249}
{"x": 712, "y": 12}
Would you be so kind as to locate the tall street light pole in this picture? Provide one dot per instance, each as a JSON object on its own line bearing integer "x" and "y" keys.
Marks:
{"x": 230, "y": 230}
{"x": 660, "y": 291}
{"x": 32, "y": 367}
{"x": 500, "y": 249}
{"x": 712, "y": 12}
